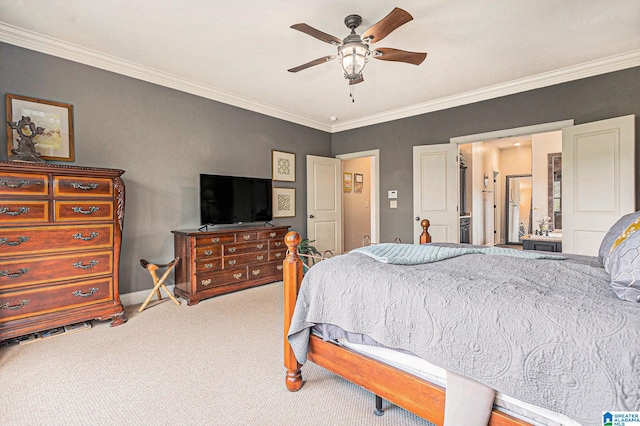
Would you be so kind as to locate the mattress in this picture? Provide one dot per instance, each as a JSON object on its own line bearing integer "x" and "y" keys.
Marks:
{"x": 419, "y": 367}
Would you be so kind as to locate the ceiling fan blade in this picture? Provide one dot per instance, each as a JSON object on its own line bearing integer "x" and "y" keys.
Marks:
{"x": 327, "y": 38}
{"x": 312, "y": 63}
{"x": 356, "y": 80}
{"x": 389, "y": 54}
{"x": 386, "y": 25}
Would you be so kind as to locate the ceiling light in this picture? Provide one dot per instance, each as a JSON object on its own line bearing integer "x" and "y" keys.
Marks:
{"x": 353, "y": 56}
{"x": 517, "y": 144}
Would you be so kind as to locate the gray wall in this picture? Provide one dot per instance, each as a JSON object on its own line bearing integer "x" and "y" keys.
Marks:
{"x": 591, "y": 99}
{"x": 163, "y": 139}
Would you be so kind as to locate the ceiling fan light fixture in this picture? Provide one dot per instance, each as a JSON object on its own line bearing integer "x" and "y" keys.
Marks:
{"x": 353, "y": 58}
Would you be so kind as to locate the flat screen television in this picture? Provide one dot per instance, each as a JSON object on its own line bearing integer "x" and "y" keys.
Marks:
{"x": 234, "y": 199}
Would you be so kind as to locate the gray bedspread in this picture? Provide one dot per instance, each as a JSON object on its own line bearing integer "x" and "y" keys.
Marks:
{"x": 548, "y": 332}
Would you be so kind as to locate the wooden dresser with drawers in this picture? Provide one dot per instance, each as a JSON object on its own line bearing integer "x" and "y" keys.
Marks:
{"x": 227, "y": 260}
{"x": 60, "y": 236}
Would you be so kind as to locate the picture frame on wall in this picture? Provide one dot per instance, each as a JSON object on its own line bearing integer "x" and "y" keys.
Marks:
{"x": 358, "y": 182}
{"x": 56, "y": 118}
{"x": 347, "y": 182}
{"x": 284, "y": 202}
{"x": 283, "y": 166}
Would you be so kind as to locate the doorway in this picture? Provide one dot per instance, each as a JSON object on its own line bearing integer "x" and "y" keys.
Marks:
{"x": 360, "y": 207}
{"x": 326, "y": 196}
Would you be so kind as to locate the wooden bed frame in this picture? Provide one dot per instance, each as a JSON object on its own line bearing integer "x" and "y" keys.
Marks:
{"x": 396, "y": 386}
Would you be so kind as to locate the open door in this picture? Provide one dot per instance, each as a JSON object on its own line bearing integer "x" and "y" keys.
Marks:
{"x": 598, "y": 162}
{"x": 435, "y": 191}
{"x": 324, "y": 203}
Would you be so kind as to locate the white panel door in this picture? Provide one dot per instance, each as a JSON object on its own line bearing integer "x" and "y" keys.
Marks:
{"x": 435, "y": 191}
{"x": 324, "y": 203}
{"x": 598, "y": 178}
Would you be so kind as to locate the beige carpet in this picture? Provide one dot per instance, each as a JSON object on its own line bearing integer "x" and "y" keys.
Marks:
{"x": 216, "y": 363}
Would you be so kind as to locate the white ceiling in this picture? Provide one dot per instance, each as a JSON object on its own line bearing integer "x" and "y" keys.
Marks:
{"x": 238, "y": 51}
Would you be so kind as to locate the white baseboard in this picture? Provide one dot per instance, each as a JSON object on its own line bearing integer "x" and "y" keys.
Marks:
{"x": 137, "y": 297}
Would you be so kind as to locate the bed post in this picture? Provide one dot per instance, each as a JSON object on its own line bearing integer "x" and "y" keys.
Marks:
{"x": 292, "y": 276}
{"x": 425, "y": 237}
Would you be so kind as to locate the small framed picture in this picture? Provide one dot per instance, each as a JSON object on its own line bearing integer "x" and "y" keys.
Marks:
{"x": 347, "y": 182}
{"x": 56, "y": 118}
{"x": 284, "y": 166}
{"x": 359, "y": 180}
{"x": 284, "y": 202}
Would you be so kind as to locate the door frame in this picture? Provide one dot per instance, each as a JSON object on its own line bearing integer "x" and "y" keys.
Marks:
{"x": 375, "y": 190}
{"x": 506, "y": 133}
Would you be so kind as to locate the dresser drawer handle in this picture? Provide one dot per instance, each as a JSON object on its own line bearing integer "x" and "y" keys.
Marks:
{"x": 14, "y": 307}
{"x": 215, "y": 240}
{"x": 259, "y": 246}
{"x": 87, "y": 187}
{"x": 278, "y": 243}
{"x": 256, "y": 272}
{"x": 79, "y": 293}
{"x": 208, "y": 252}
{"x": 21, "y": 210}
{"x": 272, "y": 234}
{"x": 208, "y": 265}
{"x": 278, "y": 255}
{"x": 20, "y": 272}
{"x": 259, "y": 257}
{"x": 18, "y": 184}
{"x": 89, "y": 237}
{"x": 91, "y": 210}
{"x": 17, "y": 242}
{"x": 237, "y": 276}
{"x": 232, "y": 262}
{"x": 231, "y": 249}
{"x": 206, "y": 282}
{"x": 91, "y": 264}
{"x": 279, "y": 267}
{"x": 246, "y": 237}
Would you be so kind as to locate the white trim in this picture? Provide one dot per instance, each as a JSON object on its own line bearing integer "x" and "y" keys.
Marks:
{"x": 33, "y": 41}
{"x": 588, "y": 69}
{"x": 375, "y": 194}
{"x": 137, "y": 297}
{"x": 517, "y": 131}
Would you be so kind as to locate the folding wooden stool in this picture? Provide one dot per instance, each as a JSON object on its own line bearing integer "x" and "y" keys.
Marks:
{"x": 152, "y": 268}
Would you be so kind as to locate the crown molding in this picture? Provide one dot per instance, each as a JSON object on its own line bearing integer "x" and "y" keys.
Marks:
{"x": 48, "y": 45}
{"x": 562, "y": 75}
{"x": 51, "y": 46}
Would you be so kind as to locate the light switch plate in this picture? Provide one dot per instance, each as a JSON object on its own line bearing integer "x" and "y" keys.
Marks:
{"x": 393, "y": 204}
{"x": 392, "y": 194}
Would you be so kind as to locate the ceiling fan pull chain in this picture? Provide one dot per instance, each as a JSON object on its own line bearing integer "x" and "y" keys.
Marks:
{"x": 353, "y": 99}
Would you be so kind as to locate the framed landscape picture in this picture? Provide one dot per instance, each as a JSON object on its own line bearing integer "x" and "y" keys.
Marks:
{"x": 56, "y": 118}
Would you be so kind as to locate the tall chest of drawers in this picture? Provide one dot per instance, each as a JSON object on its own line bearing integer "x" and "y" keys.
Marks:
{"x": 219, "y": 262}
{"x": 60, "y": 237}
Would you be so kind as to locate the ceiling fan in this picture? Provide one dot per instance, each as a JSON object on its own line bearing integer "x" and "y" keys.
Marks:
{"x": 354, "y": 51}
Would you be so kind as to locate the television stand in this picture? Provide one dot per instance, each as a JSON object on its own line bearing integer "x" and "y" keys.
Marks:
{"x": 226, "y": 260}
